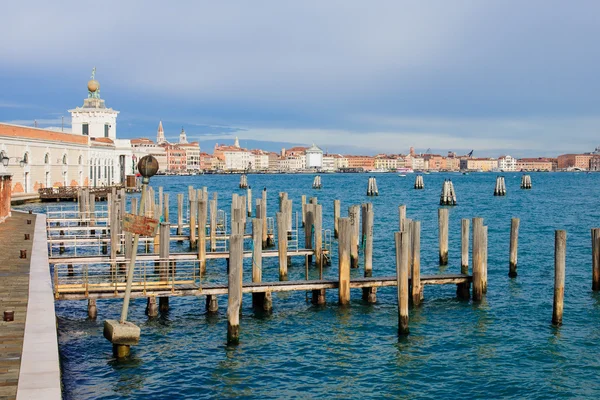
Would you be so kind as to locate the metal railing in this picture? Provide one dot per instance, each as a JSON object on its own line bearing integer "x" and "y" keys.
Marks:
{"x": 159, "y": 275}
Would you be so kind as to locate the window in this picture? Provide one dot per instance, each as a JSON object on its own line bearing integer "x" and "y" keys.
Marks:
{"x": 106, "y": 126}
{"x": 65, "y": 159}
{"x": 85, "y": 129}
{"x": 26, "y": 158}
{"x": 47, "y": 158}
{"x": 80, "y": 160}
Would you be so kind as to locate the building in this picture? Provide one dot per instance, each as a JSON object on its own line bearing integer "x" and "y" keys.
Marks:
{"x": 534, "y": 164}
{"x": 478, "y": 164}
{"x": 367, "y": 163}
{"x": 176, "y": 158}
{"x": 417, "y": 163}
{"x": 385, "y": 162}
{"x": 595, "y": 162}
{"x": 579, "y": 161}
{"x": 143, "y": 146}
{"x": 260, "y": 161}
{"x": 328, "y": 163}
{"x": 90, "y": 155}
{"x": 314, "y": 157}
{"x": 507, "y": 163}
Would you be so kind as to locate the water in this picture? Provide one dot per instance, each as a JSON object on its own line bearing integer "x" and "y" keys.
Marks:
{"x": 504, "y": 346}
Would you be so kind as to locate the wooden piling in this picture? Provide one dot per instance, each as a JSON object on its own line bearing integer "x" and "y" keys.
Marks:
{"x": 257, "y": 298}
{"x": 166, "y": 207}
{"x": 401, "y": 240}
{"x": 443, "y": 235}
{"x": 477, "y": 258}
{"x": 514, "y": 244}
{"x": 485, "y": 260}
{"x": 309, "y": 229}
{"x": 282, "y": 245}
{"x": 234, "y": 292}
{"x": 303, "y": 205}
{"x": 263, "y": 214}
{"x": 353, "y": 214}
{"x": 213, "y": 225}
{"x": 402, "y": 216}
{"x": 596, "y": 259}
{"x": 344, "y": 243}
{"x": 560, "y": 248}
{"x": 180, "y": 214}
{"x": 318, "y": 225}
{"x": 92, "y": 309}
{"x": 163, "y": 255}
{"x": 369, "y": 294}
{"x": 415, "y": 264}
{"x": 336, "y": 217}
{"x": 151, "y": 307}
{"x": 193, "y": 208}
{"x": 462, "y": 289}
{"x": 202, "y": 214}
{"x": 249, "y": 199}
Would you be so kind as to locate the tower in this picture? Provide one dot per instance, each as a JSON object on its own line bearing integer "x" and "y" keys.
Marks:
{"x": 182, "y": 137}
{"x": 236, "y": 143}
{"x": 93, "y": 118}
{"x": 160, "y": 135}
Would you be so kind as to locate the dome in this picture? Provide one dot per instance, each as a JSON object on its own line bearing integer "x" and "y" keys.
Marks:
{"x": 93, "y": 85}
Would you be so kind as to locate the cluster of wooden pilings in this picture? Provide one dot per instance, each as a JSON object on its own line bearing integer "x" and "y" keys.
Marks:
{"x": 317, "y": 182}
{"x": 243, "y": 181}
{"x": 500, "y": 188}
{"x": 448, "y": 196}
{"x": 526, "y": 182}
{"x": 419, "y": 182}
{"x": 372, "y": 187}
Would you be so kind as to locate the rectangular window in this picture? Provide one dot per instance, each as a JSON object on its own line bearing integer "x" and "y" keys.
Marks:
{"x": 85, "y": 129}
{"x": 106, "y": 126}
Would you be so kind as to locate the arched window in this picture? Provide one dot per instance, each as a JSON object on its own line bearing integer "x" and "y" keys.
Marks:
{"x": 64, "y": 159}
{"x": 47, "y": 158}
{"x": 26, "y": 158}
{"x": 80, "y": 160}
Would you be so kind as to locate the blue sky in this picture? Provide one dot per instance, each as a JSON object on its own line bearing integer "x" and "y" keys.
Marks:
{"x": 352, "y": 76}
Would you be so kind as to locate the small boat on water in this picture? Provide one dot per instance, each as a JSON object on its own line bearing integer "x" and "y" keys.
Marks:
{"x": 405, "y": 170}
{"x": 401, "y": 174}
{"x": 465, "y": 173}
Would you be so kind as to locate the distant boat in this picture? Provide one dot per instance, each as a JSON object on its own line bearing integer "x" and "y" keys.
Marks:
{"x": 405, "y": 170}
{"x": 401, "y": 174}
{"x": 380, "y": 170}
{"x": 465, "y": 173}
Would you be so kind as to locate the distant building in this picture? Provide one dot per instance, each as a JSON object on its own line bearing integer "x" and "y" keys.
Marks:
{"x": 176, "y": 158}
{"x": 385, "y": 162}
{"x": 535, "y": 164}
{"x": 507, "y": 163}
{"x": 477, "y": 164}
{"x": 367, "y": 163}
{"x": 581, "y": 161}
{"x": 314, "y": 157}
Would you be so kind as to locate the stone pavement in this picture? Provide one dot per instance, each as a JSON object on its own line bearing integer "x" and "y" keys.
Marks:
{"x": 14, "y": 290}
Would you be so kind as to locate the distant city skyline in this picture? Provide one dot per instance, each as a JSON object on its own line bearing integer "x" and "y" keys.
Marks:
{"x": 499, "y": 77}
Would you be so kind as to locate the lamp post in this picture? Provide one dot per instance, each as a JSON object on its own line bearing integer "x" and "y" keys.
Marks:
{"x": 123, "y": 334}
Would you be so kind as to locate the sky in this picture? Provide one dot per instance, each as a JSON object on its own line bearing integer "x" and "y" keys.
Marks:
{"x": 356, "y": 77}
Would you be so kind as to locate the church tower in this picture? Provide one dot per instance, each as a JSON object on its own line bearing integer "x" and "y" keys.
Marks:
{"x": 160, "y": 135}
{"x": 93, "y": 119}
{"x": 182, "y": 137}
{"x": 236, "y": 143}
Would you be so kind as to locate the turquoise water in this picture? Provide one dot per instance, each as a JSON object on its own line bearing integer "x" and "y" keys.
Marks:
{"x": 504, "y": 346}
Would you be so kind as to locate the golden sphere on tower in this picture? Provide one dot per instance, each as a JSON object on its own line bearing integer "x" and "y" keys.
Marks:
{"x": 93, "y": 85}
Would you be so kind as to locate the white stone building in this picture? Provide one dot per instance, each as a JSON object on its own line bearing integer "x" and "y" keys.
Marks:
{"x": 314, "y": 157}
{"x": 507, "y": 163}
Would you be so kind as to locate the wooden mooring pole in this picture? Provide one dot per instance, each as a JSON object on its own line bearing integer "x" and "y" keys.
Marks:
{"x": 369, "y": 294}
{"x": 416, "y": 289}
{"x": 353, "y": 214}
{"x": 282, "y": 245}
{"x": 336, "y": 217}
{"x": 344, "y": 243}
{"x": 401, "y": 239}
{"x": 514, "y": 245}
{"x": 596, "y": 259}
{"x": 234, "y": 292}
{"x": 477, "y": 257}
{"x": 443, "y": 235}
{"x": 462, "y": 289}
{"x": 560, "y": 246}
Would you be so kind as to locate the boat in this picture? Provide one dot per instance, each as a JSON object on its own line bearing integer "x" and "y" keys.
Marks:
{"x": 401, "y": 174}
{"x": 465, "y": 173}
{"x": 380, "y": 170}
{"x": 405, "y": 170}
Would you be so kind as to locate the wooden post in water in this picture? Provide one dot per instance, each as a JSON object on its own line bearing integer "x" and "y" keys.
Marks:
{"x": 443, "y": 235}
{"x": 202, "y": 214}
{"x": 249, "y": 199}
{"x": 163, "y": 255}
{"x": 353, "y": 214}
{"x": 180, "y": 214}
{"x": 415, "y": 263}
{"x": 485, "y": 260}
{"x": 402, "y": 216}
{"x": 336, "y": 217}
{"x": 596, "y": 259}
{"x": 369, "y": 294}
{"x": 263, "y": 214}
{"x": 309, "y": 228}
{"x": 318, "y": 224}
{"x": 166, "y": 210}
{"x": 560, "y": 249}
{"x": 213, "y": 225}
{"x": 514, "y": 245}
{"x": 344, "y": 243}
{"x": 477, "y": 258}
{"x": 193, "y": 207}
{"x": 303, "y": 205}
{"x": 401, "y": 239}
{"x": 282, "y": 245}
{"x": 234, "y": 291}
{"x": 462, "y": 289}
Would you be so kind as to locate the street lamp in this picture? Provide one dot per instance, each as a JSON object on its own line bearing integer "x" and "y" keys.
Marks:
{"x": 5, "y": 160}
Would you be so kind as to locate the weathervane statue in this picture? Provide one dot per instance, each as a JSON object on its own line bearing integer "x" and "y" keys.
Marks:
{"x": 93, "y": 86}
